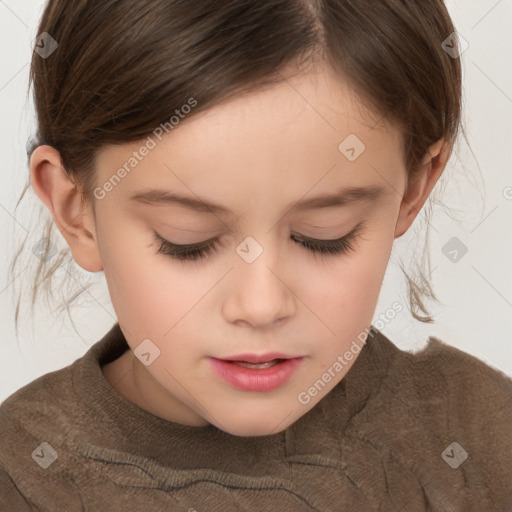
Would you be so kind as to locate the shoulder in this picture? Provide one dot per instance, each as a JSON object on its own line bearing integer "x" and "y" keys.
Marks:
{"x": 42, "y": 423}
{"x": 35, "y": 422}
{"x": 37, "y": 426}
{"x": 440, "y": 380}
{"x": 44, "y": 407}
{"x": 446, "y": 416}
{"x": 442, "y": 374}
{"x": 37, "y": 402}
{"x": 441, "y": 383}
{"x": 36, "y": 409}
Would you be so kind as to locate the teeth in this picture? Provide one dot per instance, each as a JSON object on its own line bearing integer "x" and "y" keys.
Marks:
{"x": 257, "y": 366}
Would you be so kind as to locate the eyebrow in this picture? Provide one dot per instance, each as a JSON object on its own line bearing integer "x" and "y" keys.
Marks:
{"x": 343, "y": 197}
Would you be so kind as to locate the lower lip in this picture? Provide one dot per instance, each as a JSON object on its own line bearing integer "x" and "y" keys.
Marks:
{"x": 249, "y": 379}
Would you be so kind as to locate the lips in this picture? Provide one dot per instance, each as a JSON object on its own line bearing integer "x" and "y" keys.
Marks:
{"x": 259, "y": 358}
{"x": 259, "y": 377}
{"x": 258, "y": 366}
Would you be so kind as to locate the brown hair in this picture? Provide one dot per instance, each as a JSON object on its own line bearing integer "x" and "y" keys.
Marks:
{"x": 122, "y": 67}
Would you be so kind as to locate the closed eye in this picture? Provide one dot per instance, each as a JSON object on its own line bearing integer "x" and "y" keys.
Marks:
{"x": 205, "y": 250}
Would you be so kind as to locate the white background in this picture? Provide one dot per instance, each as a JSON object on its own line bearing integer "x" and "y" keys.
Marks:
{"x": 475, "y": 293}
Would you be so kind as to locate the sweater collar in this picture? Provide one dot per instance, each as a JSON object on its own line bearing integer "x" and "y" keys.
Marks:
{"x": 126, "y": 430}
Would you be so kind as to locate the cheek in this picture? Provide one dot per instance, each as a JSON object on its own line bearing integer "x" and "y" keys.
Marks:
{"x": 345, "y": 297}
{"x": 150, "y": 292}
{"x": 153, "y": 296}
{"x": 145, "y": 289}
{"x": 353, "y": 282}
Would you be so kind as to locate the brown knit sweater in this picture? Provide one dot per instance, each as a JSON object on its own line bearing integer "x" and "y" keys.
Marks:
{"x": 430, "y": 431}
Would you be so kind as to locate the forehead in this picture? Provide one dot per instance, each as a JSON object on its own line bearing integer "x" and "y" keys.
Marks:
{"x": 330, "y": 107}
{"x": 282, "y": 141}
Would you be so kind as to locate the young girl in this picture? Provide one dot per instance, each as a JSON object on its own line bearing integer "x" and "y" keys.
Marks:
{"x": 239, "y": 171}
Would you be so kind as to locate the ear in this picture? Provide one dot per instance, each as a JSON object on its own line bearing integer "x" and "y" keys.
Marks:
{"x": 418, "y": 189}
{"x": 73, "y": 217}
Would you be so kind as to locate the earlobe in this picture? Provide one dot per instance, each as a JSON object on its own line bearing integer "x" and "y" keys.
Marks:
{"x": 419, "y": 188}
{"x": 75, "y": 220}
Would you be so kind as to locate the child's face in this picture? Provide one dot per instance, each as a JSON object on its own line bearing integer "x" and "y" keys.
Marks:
{"x": 256, "y": 156}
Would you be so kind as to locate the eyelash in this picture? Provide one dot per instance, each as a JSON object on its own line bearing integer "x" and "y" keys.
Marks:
{"x": 205, "y": 250}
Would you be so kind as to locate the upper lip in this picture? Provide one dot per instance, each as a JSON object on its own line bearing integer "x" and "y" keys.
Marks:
{"x": 258, "y": 358}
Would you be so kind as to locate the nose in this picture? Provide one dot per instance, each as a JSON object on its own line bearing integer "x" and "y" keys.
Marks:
{"x": 259, "y": 295}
